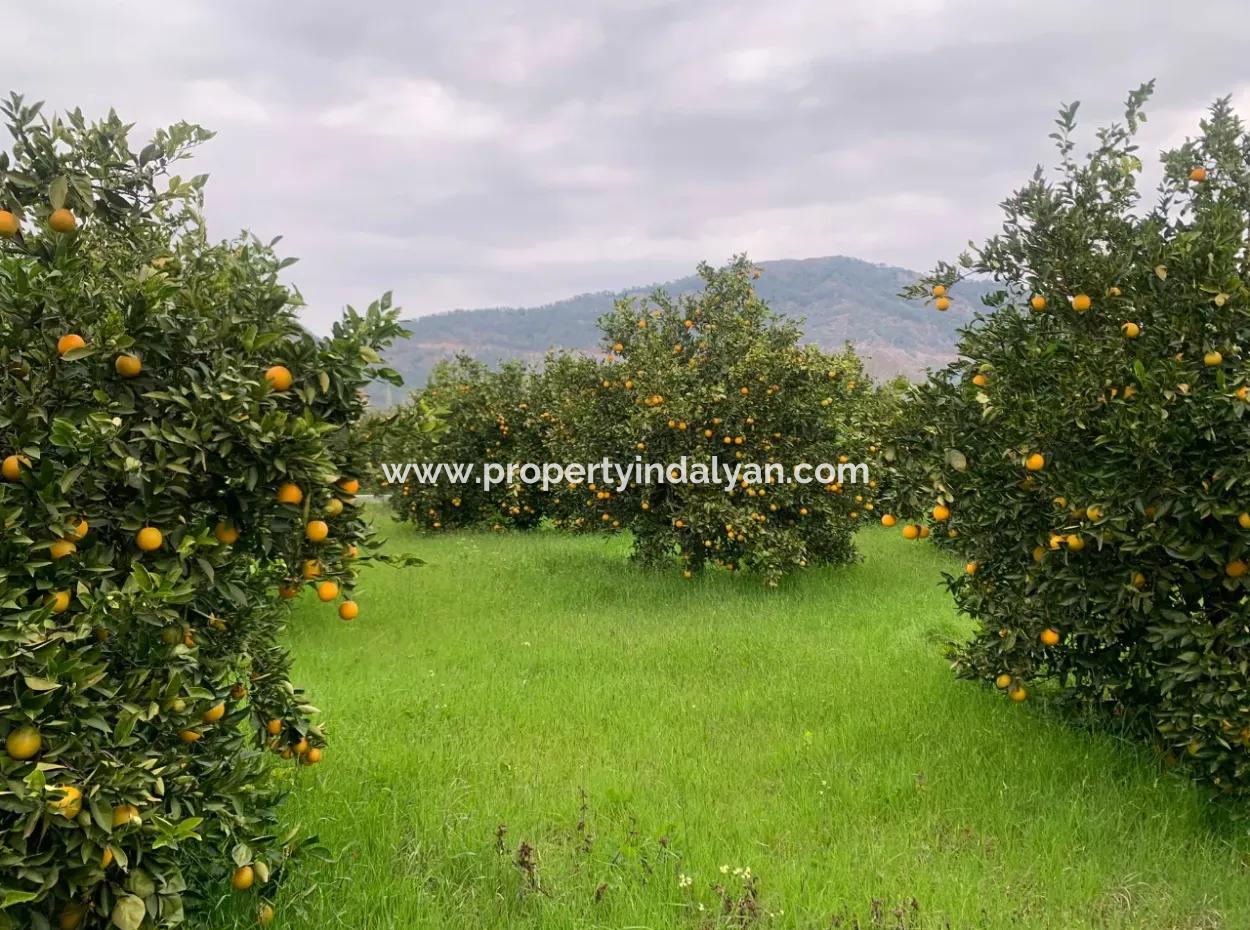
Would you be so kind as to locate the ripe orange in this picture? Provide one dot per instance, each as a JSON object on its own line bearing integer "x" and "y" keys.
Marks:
{"x": 288, "y": 591}
{"x": 279, "y": 377}
{"x": 924, "y": 532}
{"x": 1235, "y": 569}
{"x": 69, "y": 804}
{"x": 11, "y": 468}
{"x": 1198, "y": 174}
{"x": 316, "y": 530}
{"x": 8, "y": 224}
{"x": 1049, "y": 637}
{"x": 328, "y": 590}
{"x": 128, "y": 366}
{"x": 1243, "y": 520}
{"x": 313, "y": 756}
{"x": 62, "y": 221}
{"x": 106, "y": 859}
{"x": 980, "y": 380}
{"x": 189, "y": 736}
{"x": 911, "y": 531}
{"x": 1212, "y": 358}
{"x": 1081, "y": 303}
{"x": 23, "y": 743}
{"x": 941, "y": 513}
{"x": 70, "y": 917}
{"x": 942, "y": 303}
{"x": 243, "y": 878}
{"x": 290, "y": 494}
{"x": 349, "y": 610}
{"x": 149, "y": 539}
{"x": 69, "y": 342}
{"x": 273, "y": 727}
{"x": 334, "y": 507}
{"x": 59, "y": 602}
{"x": 124, "y": 814}
{"x": 1038, "y": 303}
{"x": 1018, "y": 693}
{"x": 61, "y": 548}
{"x": 226, "y": 533}
{"x": 1035, "y": 462}
{"x": 214, "y": 713}
{"x": 1130, "y": 330}
{"x": 78, "y": 531}
{"x": 888, "y": 520}
{"x": 1075, "y": 542}
{"x": 1139, "y": 581}
{"x": 970, "y": 568}
{"x": 1002, "y": 682}
{"x": 939, "y": 290}
{"x": 312, "y": 568}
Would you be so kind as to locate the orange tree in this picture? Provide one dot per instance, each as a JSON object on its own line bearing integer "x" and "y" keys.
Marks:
{"x": 1087, "y": 455}
{"x": 483, "y": 417}
{"x": 174, "y": 452}
{"x": 717, "y": 375}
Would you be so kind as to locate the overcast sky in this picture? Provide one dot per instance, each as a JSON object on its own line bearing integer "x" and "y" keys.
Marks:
{"x": 467, "y": 154}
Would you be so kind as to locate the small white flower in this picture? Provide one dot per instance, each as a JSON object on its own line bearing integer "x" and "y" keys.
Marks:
{"x": 724, "y": 870}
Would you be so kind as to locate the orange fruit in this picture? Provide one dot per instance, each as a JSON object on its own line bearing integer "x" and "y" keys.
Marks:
{"x": 69, "y": 342}
{"x": 288, "y": 591}
{"x": 970, "y": 568}
{"x": 328, "y": 590}
{"x": 189, "y": 736}
{"x": 1038, "y": 303}
{"x": 941, "y": 513}
{"x": 1049, "y": 637}
{"x": 273, "y": 727}
{"x": 334, "y": 507}
{"x": 1243, "y": 520}
{"x": 59, "y": 602}
{"x": 149, "y": 539}
{"x": 23, "y": 742}
{"x": 78, "y": 531}
{"x": 124, "y": 814}
{"x": 911, "y": 531}
{"x": 226, "y": 533}
{"x": 1002, "y": 682}
{"x": 312, "y": 568}
{"x": 107, "y": 858}
{"x": 290, "y": 494}
{"x": 939, "y": 290}
{"x": 11, "y": 468}
{"x": 316, "y": 530}
{"x": 1018, "y": 693}
{"x": 888, "y": 520}
{"x": 349, "y": 610}
{"x": 1212, "y": 358}
{"x": 264, "y": 916}
{"x": 1075, "y": 542}
{"x": 1139, "y": 581}
{"x": 214, "y": 713}
{"x": 301, "y": 747}
{"x": 1081, "y": 303}
{"x": 980, "y": 380}
{"x": 8, "y": 224}
{"x": 924, "y": 532}
{"x": 242, "y": 878}
{"x": 279, "y": 377}
{"x": 313, "y": 756}
{"x": 61, "y": 548}
{"x": 1235, "y": 569}
{"x": 1035, "y": 462}
{"x": 128, "y": 366}
{"x": 70, "y": 917}
{"x": 1198, "y": 174}
{"x": 942, "y": 303}
{"x": 62, "y": 221}
{"x": 1130, "y": 330}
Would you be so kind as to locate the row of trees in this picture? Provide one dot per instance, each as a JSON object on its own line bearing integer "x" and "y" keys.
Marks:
{"x": 176, "y": 462}
{"x": 708, "y": 376}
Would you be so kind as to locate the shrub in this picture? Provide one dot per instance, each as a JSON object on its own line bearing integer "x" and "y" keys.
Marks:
{"x": 716, "y": 374}
{"x": 1091, "y": 444}
{"x": 157, "y": 399}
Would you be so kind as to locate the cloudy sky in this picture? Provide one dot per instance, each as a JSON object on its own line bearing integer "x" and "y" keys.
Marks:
{"x": 468, "y": 153}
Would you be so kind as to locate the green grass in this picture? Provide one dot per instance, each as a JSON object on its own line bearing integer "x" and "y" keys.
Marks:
{"x": 630, "y": 728}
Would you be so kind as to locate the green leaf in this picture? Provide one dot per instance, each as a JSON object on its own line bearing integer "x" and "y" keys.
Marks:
{"x": 128, "y": 912}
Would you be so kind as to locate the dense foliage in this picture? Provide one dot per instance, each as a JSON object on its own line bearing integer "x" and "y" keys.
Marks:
{"x": 175, "y": 454}
{"x": 1087, "y": 457}
{"x": 712, "y": 375}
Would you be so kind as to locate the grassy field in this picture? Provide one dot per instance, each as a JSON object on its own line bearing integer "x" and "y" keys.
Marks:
{"x": 530, "y": 732}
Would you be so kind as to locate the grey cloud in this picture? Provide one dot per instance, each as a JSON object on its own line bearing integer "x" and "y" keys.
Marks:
{"x": 469, "y": 154}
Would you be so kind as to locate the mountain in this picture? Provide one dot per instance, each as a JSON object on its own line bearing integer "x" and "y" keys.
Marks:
{"x": 838, "y": 299}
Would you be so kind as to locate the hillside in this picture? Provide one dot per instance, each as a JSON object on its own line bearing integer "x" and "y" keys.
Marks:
{"x": 840, "y": 299}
